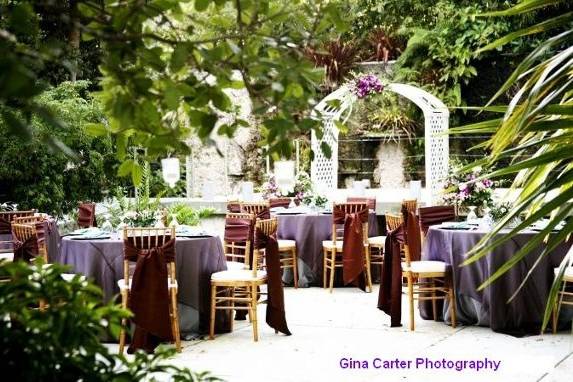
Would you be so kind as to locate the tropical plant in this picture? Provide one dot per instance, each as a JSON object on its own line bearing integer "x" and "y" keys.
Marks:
{"x": 538, "y": 120}
{"x": 338, "y": 57}
{"x": 384, "y": 46}
{"x": 187, "y": 215}
{"x": 63, "y": 341}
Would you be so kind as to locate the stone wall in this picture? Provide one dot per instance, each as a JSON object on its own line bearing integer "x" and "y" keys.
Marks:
{"x": 222, "y": 161}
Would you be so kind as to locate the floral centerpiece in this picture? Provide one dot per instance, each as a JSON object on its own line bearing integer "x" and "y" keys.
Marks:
{"x": 270, "y": 188}
{"x": 366, "y": 85}
{"x": 139, "y": 212}
{"x": 464, "y": 190}
{"x": 302, "y": 186}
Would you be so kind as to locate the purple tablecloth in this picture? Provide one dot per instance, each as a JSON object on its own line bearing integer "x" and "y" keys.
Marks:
{"x": 196, "y": 259}
{"x": 489, "y": 307}
{"x": 309, "y": 231}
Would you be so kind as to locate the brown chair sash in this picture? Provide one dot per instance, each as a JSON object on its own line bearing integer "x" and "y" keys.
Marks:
{"x": 5, "y": 225}
{"x": 276, "y": 315}
{"x": 238, "y": 230}
{"x": 413, "y": 237}
{"x": 234, "y": 207}
{"x": 353, "y": 244}
{"x": 371, "y": 202}
{"x": 353, "y": 255}
{"x": 26, "y": 250}
{"x": 264, "y": 214}
{"x": 430, "y": 216}
{"x": 149, "y": 294}
{"x": 390, "y": 292}
{"x": 279, "y": 202}
{"x": 339, "y": 215}
{"x": 86, "y": 215}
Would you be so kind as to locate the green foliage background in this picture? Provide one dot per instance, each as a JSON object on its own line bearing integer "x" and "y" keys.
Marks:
{"x": 35, "y": 176}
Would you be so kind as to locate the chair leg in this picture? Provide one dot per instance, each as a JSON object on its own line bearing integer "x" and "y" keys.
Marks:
{"x": 453, "y": 307}
{"x": 295, "y": 267}
{"x": 324, "y": 254}
{"x": 212, "y": 318}
{"x": 368, "y": 270}
{"x": 411, "y": 299}
{"x": 333, "y": 268}
{"x": 254, "y": 309}
{"x": 434, "y": 302}
{"x": 232, "y": 310}
{"x": 124, "y": 297}
{"x": 175, "y": 320}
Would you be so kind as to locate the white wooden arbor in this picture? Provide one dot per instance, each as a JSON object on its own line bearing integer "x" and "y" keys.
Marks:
{"x": 324, "y": 171}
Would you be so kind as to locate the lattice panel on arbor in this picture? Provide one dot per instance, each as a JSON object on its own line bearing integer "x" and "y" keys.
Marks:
{"x": 324, "y": 170}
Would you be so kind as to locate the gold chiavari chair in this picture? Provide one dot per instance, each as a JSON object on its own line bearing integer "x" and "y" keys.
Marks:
{"x": 145, "y": 239}
{"x": 410, "y": 205}
{"x": 6, "y": 219}
{"x": 564, "y": 296}
{"x": 289, "y": 258}
{"x": 24, "y": 232}
{"x": 393, "y": 221}
{"x": 237, "y": 252}
{"x": 332, "y": 249}
{"x": 224, "y": 284}
{"x": 425, "y": 278}
{"x": 255, "y": 208}
{"x": 29, "y": 219}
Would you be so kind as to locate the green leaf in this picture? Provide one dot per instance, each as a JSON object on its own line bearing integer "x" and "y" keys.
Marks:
{"x": 294, "y": 90}
{"x": 125, "y": 167}
{"x": 326, "y": 150}
{"x": 201, "y": 5}
{"x": 96, "y": 129}
{"x": 136, "y": 174}
{"x": 179, "y": 57}
{"x": 564, "y": 19}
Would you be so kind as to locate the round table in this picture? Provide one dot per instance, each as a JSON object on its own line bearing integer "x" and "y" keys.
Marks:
{"x": 309, "y": 231}
{"x": 490, "y": 307}
{"x": 195, "y": 258}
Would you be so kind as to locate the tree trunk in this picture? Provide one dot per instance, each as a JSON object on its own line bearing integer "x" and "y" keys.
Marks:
{"x": 75, "y": 38}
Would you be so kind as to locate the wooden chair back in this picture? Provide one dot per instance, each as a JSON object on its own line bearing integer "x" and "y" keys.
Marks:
{"x": 86, "y": 215}
{"x": 29, "y": 219}
{"x": 413, "y": 244}
{"x": 348, "y": 208}
{"x": 393, "y": 221}
{"x": 409, "y": 205}
{"x": 254, "y": 208}
{"x": 24, "y": 232}
{"x": 9, "y": 216}
{"x": 147, "y": 238}
{"x": 370, "y": 201}
{"x": 267, "y": 227}
{"x": 238, "y": 249}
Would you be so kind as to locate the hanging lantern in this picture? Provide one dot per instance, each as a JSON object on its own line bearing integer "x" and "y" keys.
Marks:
{"x": 284, "y": 175}
{"x": 170, "y": 171}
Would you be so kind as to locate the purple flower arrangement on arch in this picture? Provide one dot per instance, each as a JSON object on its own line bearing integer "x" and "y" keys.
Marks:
{"x": 366, "y": 85}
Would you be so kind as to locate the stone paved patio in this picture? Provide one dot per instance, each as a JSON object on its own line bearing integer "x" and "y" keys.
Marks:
{"x": 347, "y": 324}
